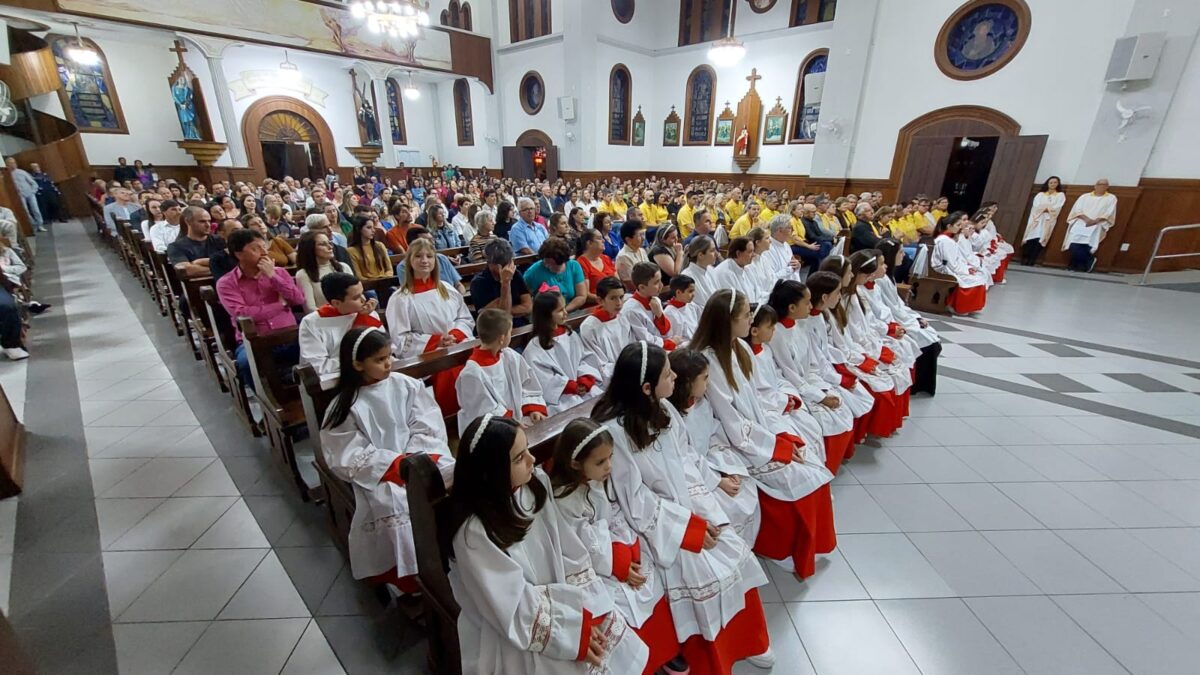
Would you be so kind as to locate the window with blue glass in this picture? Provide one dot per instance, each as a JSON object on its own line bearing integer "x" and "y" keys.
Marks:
{"x": 982, "y": 37}
{"x": 396, "y": 113}
{"x": 805, "y": 12}
{"x": 807, "y": 107}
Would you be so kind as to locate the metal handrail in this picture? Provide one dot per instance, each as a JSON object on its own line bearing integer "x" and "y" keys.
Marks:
{"x": 1154, "y": 254}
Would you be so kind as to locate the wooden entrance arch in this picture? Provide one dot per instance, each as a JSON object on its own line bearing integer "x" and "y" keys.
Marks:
{"x": 274, "y": 118}
{"x": 521, "y": 160}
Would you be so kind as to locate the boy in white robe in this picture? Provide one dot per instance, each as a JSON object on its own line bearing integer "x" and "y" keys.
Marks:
{"x": 496, "y": 379}
{"x": 567, "y": 373}
{"x": 1088, "y": 223}
{"x": 682, "y": 310}
{"x": 643, "y": 311}
{"x": 321, "y": 331}
{"x": 603, "y": 333}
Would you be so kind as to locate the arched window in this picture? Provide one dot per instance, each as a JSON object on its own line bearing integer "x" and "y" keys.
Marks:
{"x": 700, "y": 98}
{"x": 457, "y": 15}
{"x": 528, "y": 19}
{"x": 463, "y": 120}
{"x": 88, "y": 97}
{"x": 807, "y": 107}
{"x": 620, "y": 93}
{"x": 704, "y": 20}
{"x": 396, "y": 113}
{"x": 805, "y": 12}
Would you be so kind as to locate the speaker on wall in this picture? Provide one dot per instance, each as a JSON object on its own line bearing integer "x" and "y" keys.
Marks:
{"x": 566, "y": 108}
{"x": 1135, "y": 57}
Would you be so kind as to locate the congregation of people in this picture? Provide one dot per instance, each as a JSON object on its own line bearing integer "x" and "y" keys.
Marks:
{"x": 721, "y": 352}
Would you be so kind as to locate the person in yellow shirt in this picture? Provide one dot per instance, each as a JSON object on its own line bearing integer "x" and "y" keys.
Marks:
{"x": 941, "y": 207}
{"x": 761, "y": 197}
{"x": 924, "y": 220}
{"x": 649, "y": 214}
{"x": 770, "y": 210}
{"x": 828, "y": 215}
{"x": 750, "y": 219}
{"x": 686, "y": 218}
{"x": 613, "y": 205}
{"x": 734, "y": 208}
{"x": 903, "y": 227}
{"x": 845, "y": 211}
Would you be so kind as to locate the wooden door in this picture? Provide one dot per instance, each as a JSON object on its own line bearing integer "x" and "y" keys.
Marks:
{"x": 297, "y": 160}
{"x": 1014, "y": 171}
{"x": 925, "y": 168}
{"x": 551, "y": 162}
{"x": 518, "y": 162}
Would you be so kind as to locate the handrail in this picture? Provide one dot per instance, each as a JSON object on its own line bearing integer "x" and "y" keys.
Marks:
{"x": 1154, "y": 254}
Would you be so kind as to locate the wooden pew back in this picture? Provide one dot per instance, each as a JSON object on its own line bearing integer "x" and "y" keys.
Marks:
{"x": 929, "y": 291}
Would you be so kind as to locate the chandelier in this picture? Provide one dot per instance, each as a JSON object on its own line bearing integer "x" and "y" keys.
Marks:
{"x": 728, "y": 50}
{"x": 398, "y": 19}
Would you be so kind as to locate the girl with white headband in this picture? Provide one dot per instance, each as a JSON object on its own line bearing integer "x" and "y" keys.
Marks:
{"x": 530, "y": 600}
{"x": 579, "y": 474}
{"x": 710, "y": 574}
{"x": 378, "y": 418}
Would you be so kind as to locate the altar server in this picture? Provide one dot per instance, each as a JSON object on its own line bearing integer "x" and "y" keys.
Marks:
{"x": 567, "y": 372}
{"x": 702, "y": 260}
{"x": 710, "y": 574}
{"x": 736, "y": 272}
{"x": 797, "y": 516}
{"x": 378, "y": 418}
{"x": 603, "y": 333}
{"x": 682, "y": 310}
{"x": 520, "y": 578}
{"x": 496, "y": 379}
{"x": 882, "y": 292}
{"x": 970, "y": 296}
{"x": 643, "y": 311}
{"x": 321, "y": 331}
{"x": 1043, "y": 216}
{"x": 1088, "y": 223}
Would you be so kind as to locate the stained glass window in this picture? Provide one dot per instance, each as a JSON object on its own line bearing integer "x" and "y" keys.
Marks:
{"x": 620, "y": 88}
{"x": 88, "y": 97}
{"x": 396, "y": 112}
{"x": 700, "y": 96}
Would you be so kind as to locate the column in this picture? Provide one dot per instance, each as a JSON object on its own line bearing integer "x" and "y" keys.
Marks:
{"x": 384, "y": 113}
{"x": 850, "y": 49}
{"x": 233, "y": 135}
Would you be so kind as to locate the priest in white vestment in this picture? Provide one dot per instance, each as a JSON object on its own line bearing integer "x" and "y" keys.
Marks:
{"x": 1088, "y": 223}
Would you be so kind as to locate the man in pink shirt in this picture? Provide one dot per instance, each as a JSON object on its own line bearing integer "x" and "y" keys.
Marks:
{"x": 258, "y": 289}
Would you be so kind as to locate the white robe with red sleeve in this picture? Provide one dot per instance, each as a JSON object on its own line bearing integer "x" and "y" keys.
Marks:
{"x": 643, "y": 327}
{"x": 847, "y": 351}
{"x": 565, "y": 361}
{"x": 774, "y": 393}
{"x": 789, "y": 348}
{"x": 752, "y": 430}
{"x": 320, "y": 340}
{"x": 502, "y": 384}
{"x": 605, "y": 335}
{"x": 611, "y": 542}
{"x": 719, "y": 459}
{"x": 685, "y": 318}
{"x": 871, "y": 337}
{"x": 948, "y": 258}
{"x": 659, "y": 495}
{"x": 705, "y": 282}
{"x": 417, "y": 321}
{"x": 389, "y": 420}
{"x": 528, "y": 609}
{"x": 822, "y": 359}
{"x": 887, "y": 295}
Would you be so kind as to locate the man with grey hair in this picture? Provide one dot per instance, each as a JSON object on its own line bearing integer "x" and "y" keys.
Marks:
{"x": 527, "y": 235}
{"x": 778, "y": 258}
{"x": 866, "y": 233}
{"x": 500, "y": 287}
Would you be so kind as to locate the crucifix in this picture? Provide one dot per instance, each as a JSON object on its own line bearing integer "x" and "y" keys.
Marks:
{"x": 753, "y": 77}
{"x": 179, "y": 49}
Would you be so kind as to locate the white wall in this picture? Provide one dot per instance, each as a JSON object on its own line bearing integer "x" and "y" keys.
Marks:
{"x": 484, "y": 152}
{"x": 547, "y": 59}
{"x": 1174, "y": 154}
{"x": 1051, "y": 87}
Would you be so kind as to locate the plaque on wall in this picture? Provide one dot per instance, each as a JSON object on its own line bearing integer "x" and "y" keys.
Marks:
{"x": 671, "y": 128}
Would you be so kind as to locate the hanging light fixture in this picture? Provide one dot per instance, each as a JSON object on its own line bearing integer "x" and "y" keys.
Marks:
{"x": 728, "y": 50}
{"x": 81, "y": 54}
{"x": 397, "y": 19}
{"x": 288, "y": 70}
{"x": 410, "y": 90}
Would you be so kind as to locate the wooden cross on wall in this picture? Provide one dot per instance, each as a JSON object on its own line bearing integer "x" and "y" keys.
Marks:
{"x": 179, "y": 50}
{"x": 753, "y": 78}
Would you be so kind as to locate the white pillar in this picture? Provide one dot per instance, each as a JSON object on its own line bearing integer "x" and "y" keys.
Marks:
{"x": 844, "y": 90}
{"x": 233, "y": 134}
{"x": 383, "y": 113}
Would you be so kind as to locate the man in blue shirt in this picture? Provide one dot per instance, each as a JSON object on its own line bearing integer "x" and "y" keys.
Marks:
{"x": 446, "y": 271}
{"x": 526, "y": 235}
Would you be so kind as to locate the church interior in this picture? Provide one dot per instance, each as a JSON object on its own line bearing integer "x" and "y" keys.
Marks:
{"x": 590, "y": 336}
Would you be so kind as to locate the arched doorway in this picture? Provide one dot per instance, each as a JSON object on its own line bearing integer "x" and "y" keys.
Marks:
{"x": 970, "y": 154}
{"x": 286, "y": 137}
{"x": 533, "y": 156}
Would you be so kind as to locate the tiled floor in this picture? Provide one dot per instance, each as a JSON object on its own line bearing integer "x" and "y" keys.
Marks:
{"x": 1040, "y": 515}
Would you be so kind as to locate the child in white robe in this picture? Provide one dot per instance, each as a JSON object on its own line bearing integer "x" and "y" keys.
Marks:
{"x": 711, "y": 576}
{"x": 579, "y": 475}
{"x": 643, "y": 311}
{"x": 426, "y": 314}
{"x": 970, "y": 296}
{"x": 790, "y": 348}
{"x": 725, "y": 471}
{"x": 881, "y": 291}
{"x": 736, "y": 272}
{"x": 797, "y": 516}
{"x": 872, "y": 335}
{"x": 603, "y": 333}
{"x": 321, "y": 332}
{"x": 702, "y": 260}
{"x": 851, "y": 358}
{"x": 529, "y": 599}
{"x": 496, "y": 379}
{"x": 377, "y": 419}
{"x": 567, "y": 373}
{"x": 682, "y": 309}
{"x": 825, "y": 289}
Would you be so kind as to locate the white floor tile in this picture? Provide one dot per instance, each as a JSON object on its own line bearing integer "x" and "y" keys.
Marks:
{"x": 850, "y": 638}
{"x": 833, "y": 580}
{"x": 1122, "y": 505}
{"x": 154, "y": 648}
{"x": 945, "y": 638}
{"x": 267, "y": 594}
{"x": 889, "y": 566}
{"x": 879, "y": 465}
{"x": 1116, "y": 462}
{"x": 1133, "y": 633}
{"x": 175, "y": 523}
{"x": 855, "y": 511}
{"x": 213, "y": 481}
{"x": 1052, "y": 564}
{"x": 1053, "y": 506}
{"x": 938, "y": 465}
{"x": 133, "y": 413}
{"x": 1042, "y": 638}
{"x": 237, "y": 528}
{"x": 243, "y": 647}
{"x": 312, "y": 655}
{"x": 128, "y": 573}
{"x": 985, "y": 507}
{"x": 1179, "y": 545}
{"x": 1055, "y": 463}
{"x": 159, "y": 477}
{"x": 917, "y": 508}
{"x": 970, "y": 565}
{"x": 196, "y": 587}
{"x": 1135, "y": 566}
{"x": 1182, "y": 610}
{"x": 116, "y": 516}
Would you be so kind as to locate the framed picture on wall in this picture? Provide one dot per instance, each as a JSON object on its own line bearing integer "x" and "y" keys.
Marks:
{"x": 639, "y": 128}
{"x": 671, "y": 128}
{"x": 724, "y": 134}
{"x": 776, "y": 124}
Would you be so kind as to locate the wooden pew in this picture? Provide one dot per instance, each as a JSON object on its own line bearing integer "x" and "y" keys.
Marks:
{"x": 339, "y": 495}
{"x": 930, "y": 291}
{"x": 146, "y": 249}
{"x": 223, "y": 354}
{"x": 202, "y": 326}
{"x": 282, "y": 409}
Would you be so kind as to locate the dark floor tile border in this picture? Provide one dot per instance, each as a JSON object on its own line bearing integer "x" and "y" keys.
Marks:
{"x": 59, "y": 600}
{"x": 1171, "y": 360}
{"x": 1124, "y": 414}
{"x": 1102, "y": 277}
{"x": 1145, "y": 383}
